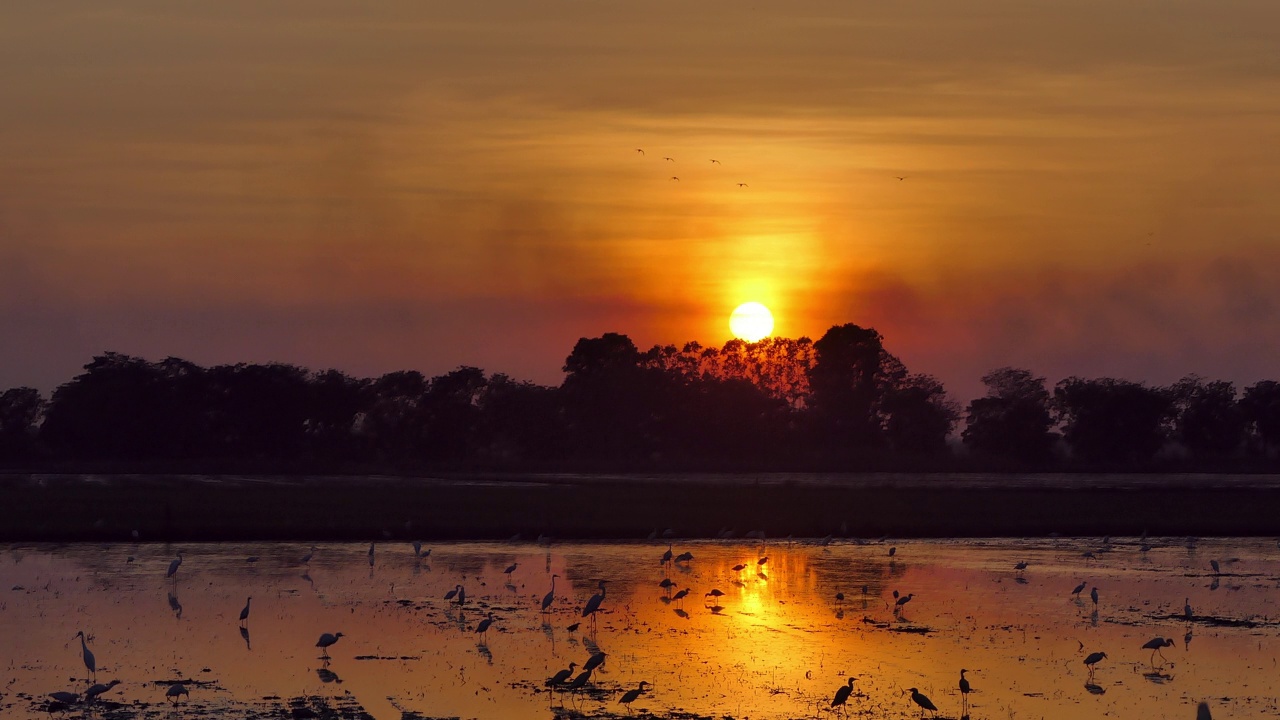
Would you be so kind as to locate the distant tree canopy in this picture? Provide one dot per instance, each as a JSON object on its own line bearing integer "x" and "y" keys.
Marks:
{"x": 843, "y": 402}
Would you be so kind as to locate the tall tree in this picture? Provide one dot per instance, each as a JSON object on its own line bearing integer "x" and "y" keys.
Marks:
{"x": 920, "y": 416}
{"x": 21, "y": 410}
{"x": 1209, "y": 422}
{"x": 1260, "y": 407}
{"x": 1013, "y": 420}
{"x": 851, "y": 373}
{"x": 1113, "y": 422}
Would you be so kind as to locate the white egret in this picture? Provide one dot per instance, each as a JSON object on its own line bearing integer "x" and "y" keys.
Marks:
{"x": 326, "y": 640}
{"x": 90, "y": 663}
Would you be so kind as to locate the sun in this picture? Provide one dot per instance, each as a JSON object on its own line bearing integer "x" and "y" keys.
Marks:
{"x": 751, "y": 322}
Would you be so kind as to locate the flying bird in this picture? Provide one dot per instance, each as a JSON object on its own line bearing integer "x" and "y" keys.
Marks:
{"x": 742, "y": 185}
{"x": 669, "y": 158}
{"x": 673, "y": 177}
{"x": 901, "y": 177}
{"x": 639, "y": 150}
{"x": 715, "y": 162}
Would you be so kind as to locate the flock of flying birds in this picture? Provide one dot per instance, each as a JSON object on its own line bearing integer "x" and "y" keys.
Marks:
{"x": 713, "y": 161}
{"x": 566, "y": 681}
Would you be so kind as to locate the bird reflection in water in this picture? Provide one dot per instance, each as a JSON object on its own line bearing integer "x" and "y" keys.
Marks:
{"x": 175, "y": 606}
{"x": 327, "y": 676}
{"x": 1094, "y": 689}
{"x": 244, "y": 633}
{"x": 682, "y": 613}
{"x": 485, "y": 653}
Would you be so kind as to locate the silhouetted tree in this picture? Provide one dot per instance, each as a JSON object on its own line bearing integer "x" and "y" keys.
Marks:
{"x": 260, "y": 412}
{"x": 1013, "y": 420}
{"x": 21, "y": 410}
{"x": 1113, "y": 422}
{"x": 394, "y": 420}
{"x": 1209, "y": 423}
{"x": 452, "y": 411}
{"x": 609, "y": 399}
{"x": 524, "y": 423}
{"x": 920, "y": 416}
{"x": 1260, "y": 407}
{"x": 337, "y": 402}
{"x": 850, "y": 375}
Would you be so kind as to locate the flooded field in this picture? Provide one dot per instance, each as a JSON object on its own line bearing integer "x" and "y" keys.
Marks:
{"x": 793, "y": 622}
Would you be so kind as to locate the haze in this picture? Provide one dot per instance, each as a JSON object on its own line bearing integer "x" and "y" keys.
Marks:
{"x": 1090, "y": 187}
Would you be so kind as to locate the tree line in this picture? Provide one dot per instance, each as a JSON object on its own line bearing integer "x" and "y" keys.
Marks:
{"x": 843, "y": 402}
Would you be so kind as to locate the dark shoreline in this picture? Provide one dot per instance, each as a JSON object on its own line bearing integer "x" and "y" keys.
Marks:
{"x": 629, "y": 507}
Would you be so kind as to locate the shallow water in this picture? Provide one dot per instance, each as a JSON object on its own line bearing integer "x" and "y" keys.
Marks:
{"x": 778, "y": 645}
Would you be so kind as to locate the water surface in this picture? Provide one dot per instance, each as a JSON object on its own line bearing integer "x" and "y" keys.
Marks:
{"x": 777, "y": 644}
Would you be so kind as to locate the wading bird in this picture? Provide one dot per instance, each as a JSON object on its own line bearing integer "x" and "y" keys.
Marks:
{"x": 893, "y": 551}
{"x": 897, "y": 605}
{"x": 842, "y": 695}
{"x": 762, "y": 562}
{"x": 175, "y": 690}
{"x": 596, "y": 660}
{"x": 1020, "y": 566}
{"x": 739, "y": 567}
{"x": 964, "y": 692}
{"x": 462, "y": 596}
{"x": 715, "y": 593}
{"x": 1186, "y": 609}
{"x": 1079, "y": 589}
{"x": 307, "y": 558}
{"x": 1155, "y": 645}
{"x": 684, "y": 557}
{"x": 559, "y": 678}
{"x": 244, "y": 614}
{"x": 66, "y": 698}
{"x": 666, "y": 585}
{"x": 924, "y": 702}
{"x": 1094, "y": 595}
{"x": 593, "y": 604}
{"x": 551, "y": 594}
{"x": 631, "y": 695}
{"x": 370, "y": 554}
{"x": 173, "y": 568}
{"x": 1214, "y": 564}
{"x": 483, "y": 627}
{"x": 1092, "y": 660}
{"x": 90, "y": 663}
{"x": 452, "y": 593}
{"x": 92, "y": 693}
{"x": 573, "y": 628}
{"x": 666, "y": 556}
{"x": 1202, "y": 712}
{"x": 579, "y": 681}
{"x": 510, "y": 569}
{"x": 680, "y": 596}
{"x": 327, "y": 640}
{"x": 417, "y": 548}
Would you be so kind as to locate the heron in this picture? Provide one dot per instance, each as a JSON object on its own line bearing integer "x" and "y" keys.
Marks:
{"x": 579, "y": 681}
{"x": 370, "y": 554}
{"x": 1186, "y": 609}
{"x": 596, "y": 660}
{"x": 1155, "y": 645}
{"x": 842, "y": 695}
{"x": 1092, "y": 660}
{"x": 684, "y": 557}
{"x": 64, "y": 697}
{"x": 893, "y": 551}
{"x": 666, "y": 585}
{"x": 551, "y": 594}
{"x": 483, "y": 627}
{"x": 762, "y": 562}
{"x": 680, "y": 596}
{"x": 1214, "y": 564}
{"x": 306, "y": 559}
{"x": 1020, "y": 566}
{"x": 560, "y": 677}
{"x": 175, "y": 690}
{"x": 90, "y": 663}
{"x": 510, "y": 569}
{"x": 897, "y": 605}
{"x": 593, "y": 604}
{"x": 715, "y": 593}
{"x": 1094, "y": 595}
{"x": 964, "y": 692}
{"x": 739, "y": 567}
{"x": 631, "y": 695}
{"x": 452, "y": 593}
{"x": 244, "y": 614}
{"x": 462, "y": 596}
{"x": 1079, "y": 589}
{"x": 923, "y": 701}
{"x": 92, "y": 693}
{"x": 417, "y": 548}
{"x": 173, "y": 568}
{"x": 327, "y": 640}
{"x": 666, "y": 556}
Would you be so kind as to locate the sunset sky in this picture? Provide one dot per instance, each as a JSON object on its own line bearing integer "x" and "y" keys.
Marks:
{"x": 1091, "y": 188}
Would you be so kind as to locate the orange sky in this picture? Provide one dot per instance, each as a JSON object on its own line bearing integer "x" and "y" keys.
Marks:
{"x": 1091, "y": 186}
